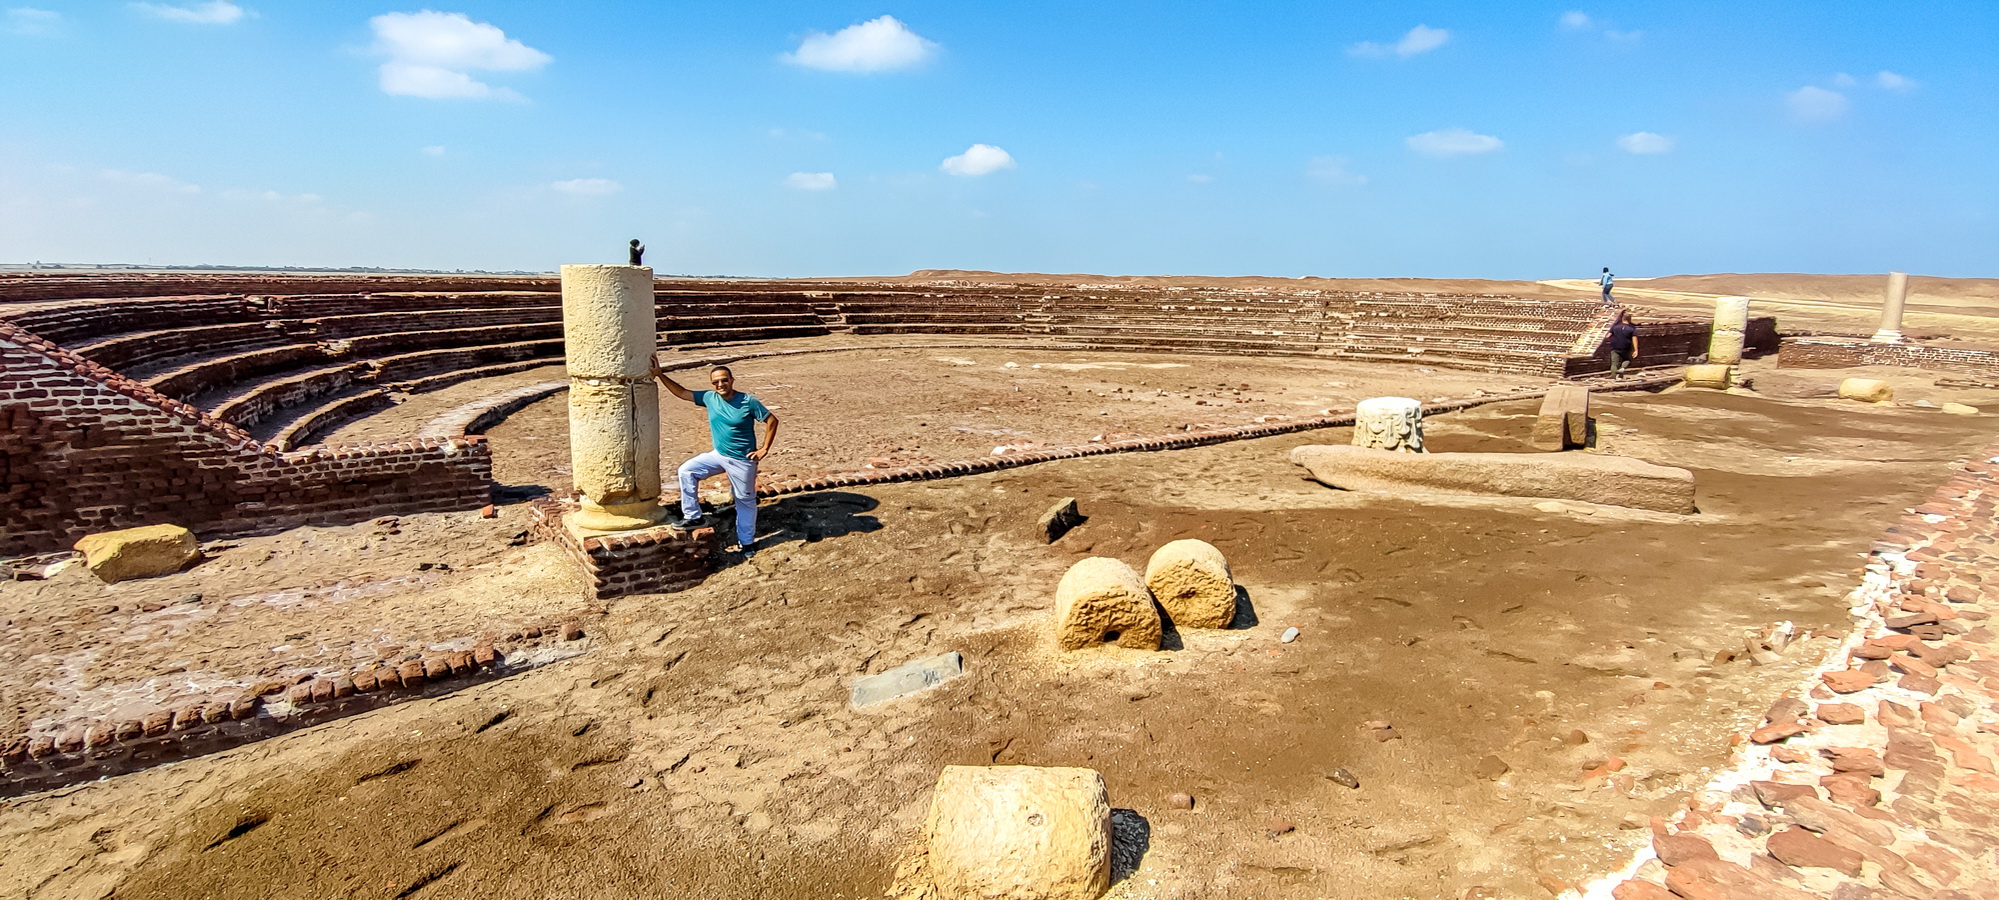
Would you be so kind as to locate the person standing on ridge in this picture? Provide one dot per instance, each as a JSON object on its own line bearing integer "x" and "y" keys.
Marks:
{"x": 1623, "y": 342}
{"x": 732, "y": 418}
{"x": 638, "y": 252}
{"x": 1606, "y": 281}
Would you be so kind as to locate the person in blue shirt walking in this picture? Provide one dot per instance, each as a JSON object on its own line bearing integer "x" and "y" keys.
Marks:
{"x": 732, "y": 418}
{"x": 1606, "y": 281}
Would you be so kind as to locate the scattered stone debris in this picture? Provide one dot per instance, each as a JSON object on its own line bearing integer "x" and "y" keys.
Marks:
{"x": 1060, "y": 519}
{"x": 1382, "y": 730}
{"x": 1344, "y": 778}
{"x": 1290, "y": 634}
{"x": 1180, "y": 801}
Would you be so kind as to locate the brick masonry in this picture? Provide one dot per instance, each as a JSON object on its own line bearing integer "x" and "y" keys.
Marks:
{"x": 1875, "y": 777}
{"x": 76, "y": 752}
{"x": 649, "y": 561}
{"x": 83, "y": 450}
{"x": 1827, "y": 352}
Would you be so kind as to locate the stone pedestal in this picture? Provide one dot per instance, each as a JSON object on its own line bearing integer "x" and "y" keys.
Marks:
{"x": 1019, "y": 833}
{"x": 609, "y": 332}
{"x": 1891, "y": 309}
{"x": 1389, "y": 423}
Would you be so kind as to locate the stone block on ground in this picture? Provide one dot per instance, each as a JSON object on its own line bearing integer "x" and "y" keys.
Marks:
{"x": 1102, "y": 601}
{"x": 1389, "y": 423}
{"x": 1191, "y": 580}
{"x": 1019, "y": 833}
{"x": 1059, "y": 518}
{"x": 1959, "y": 409}
{"x": 1564, "y": 420}
{"x": 1587, "y": 477}
{"x": 115, "y": 556}
{"x": 1711, "y": 375}
{"x": 1866, "y": 390}
{"x": 907, "y": 679}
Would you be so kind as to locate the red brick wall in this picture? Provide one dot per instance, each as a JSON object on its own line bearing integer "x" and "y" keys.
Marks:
{"x": 83, "y": 449}
{"x": 1840, "y": 353}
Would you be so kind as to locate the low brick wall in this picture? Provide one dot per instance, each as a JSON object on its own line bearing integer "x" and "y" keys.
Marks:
{"x": 654, "y": 560}
{"x": 1843, "y": 353}
{"x": 83, "y": 450}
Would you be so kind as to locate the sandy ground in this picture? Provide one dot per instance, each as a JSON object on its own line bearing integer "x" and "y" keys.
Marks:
{"x": 706, "y": 749}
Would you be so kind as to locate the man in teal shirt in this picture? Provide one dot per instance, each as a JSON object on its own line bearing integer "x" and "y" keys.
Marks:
{"x": 732, "y": 418}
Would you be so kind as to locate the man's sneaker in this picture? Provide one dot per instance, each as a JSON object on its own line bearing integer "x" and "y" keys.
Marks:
{"x": 677, "y": 520}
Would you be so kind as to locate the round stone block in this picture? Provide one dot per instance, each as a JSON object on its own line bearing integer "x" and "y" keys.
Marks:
{"x": 1712, "y": 375}
{"x": 1191, "y": 580}
{"x": 1866, "y": 390}
{"x": 1102, "y": 601}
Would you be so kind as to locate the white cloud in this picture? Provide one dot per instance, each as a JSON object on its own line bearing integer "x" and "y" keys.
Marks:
{"x": 1898, "y": 83}
{"x": 1332, "y": 170}
{"x": 872, "y": 46}
{"x": 28, "y": 20}
{"x": 588, "y": 187}
{"x": 1843, "y": 80}
{"x": 431, "y": 55}
{"x": 271, "y": 197}
{"x": 1576, "y": 20}
{"x": 1420, "y": 39}
{"x": 150, "y": 181}
{"x": 1645, "y": 142}
{"x": 1816, "y": 104}
{"x": 811, "y": 181}
{"x": 979, "y": 159}
{"x": 1453, "y": 142}
{"x": 216, "y": 12}
{"x": 1199, "y": 178}
{"x": 434, "y": 150}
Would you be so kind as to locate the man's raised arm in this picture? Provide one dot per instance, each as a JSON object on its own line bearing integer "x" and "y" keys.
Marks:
{"x": 671, "y": 385}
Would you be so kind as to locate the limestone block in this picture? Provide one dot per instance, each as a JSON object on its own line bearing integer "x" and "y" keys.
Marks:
{"x": 1564, "y": 419}
{"x": 1389, "y": 423}
{"x": 1731, "y": 314}
{"x": 1019, "y": 833}
{"x": 1866, "y": 389}
{"x": 1102, "y": 601}
{"x": 608, "y": 327}
{"x": 1710, "y": 376}
{"x": 1588, "y": 477}
{"x": 1959, "y": 409}
{"x": 614, "y": 440}
{"x": 1191, "y": 579}
{"x": 115, "y": 556}
{"x": 907, "y": 679}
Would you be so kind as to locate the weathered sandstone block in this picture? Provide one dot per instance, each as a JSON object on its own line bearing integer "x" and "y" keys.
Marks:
{"x": 1714, "y": 376}
{"x": 1102, "y": 601}
{"x": 1959, "y": 409}
{"x": 1019, "y": 833}
{"x": 1867, "y": 390}
{"x": 1564, "y": 419}
{"x": 1588, "y": 477}
{"x": 115, "y": 556}
{"x": 1389, "y": 423}
{"x": 1731, "y": 317}
{"x": 1191, "y": 579}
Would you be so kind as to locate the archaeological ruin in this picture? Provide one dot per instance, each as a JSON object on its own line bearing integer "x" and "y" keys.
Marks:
{"x": 324, "y": 585}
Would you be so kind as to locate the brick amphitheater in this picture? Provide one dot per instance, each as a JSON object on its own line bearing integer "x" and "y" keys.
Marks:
{"x": 137, "y": 399}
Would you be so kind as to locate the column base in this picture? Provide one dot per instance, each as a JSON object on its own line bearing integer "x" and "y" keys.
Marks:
{"x": 1885, "y": 336}
{"x": 640, "y": 561}
{"x": 594, "y": 520}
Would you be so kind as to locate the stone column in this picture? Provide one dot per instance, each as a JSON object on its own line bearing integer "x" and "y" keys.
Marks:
{"x": 1891, "y": 310}
{"x": 609, "y": 332}
{"x": 1389, "y": 423}
{"x": 1731, "y": 318}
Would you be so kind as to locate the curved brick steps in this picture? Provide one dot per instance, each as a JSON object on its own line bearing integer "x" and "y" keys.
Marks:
{"x": 352, "y": 403}
{"x": 142, "y": 353}
{"x": 208, "y": 381}
{"x": 350, "y": 326}
{"x": 248, "y": 404}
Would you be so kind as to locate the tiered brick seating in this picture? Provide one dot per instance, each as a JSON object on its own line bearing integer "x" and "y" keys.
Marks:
{"x": 300, "y": 356}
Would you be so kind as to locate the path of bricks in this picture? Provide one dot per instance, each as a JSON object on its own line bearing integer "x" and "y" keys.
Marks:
{"x": 1876, "y": 779}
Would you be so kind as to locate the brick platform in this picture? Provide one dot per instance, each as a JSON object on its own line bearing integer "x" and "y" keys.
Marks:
{"x": 653, "y": 560}
{"x": 1841, "y": 353}
{"x": 1876, "y": 778}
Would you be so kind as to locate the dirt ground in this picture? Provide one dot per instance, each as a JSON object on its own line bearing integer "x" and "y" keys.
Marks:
{"x": 705, "y": 748}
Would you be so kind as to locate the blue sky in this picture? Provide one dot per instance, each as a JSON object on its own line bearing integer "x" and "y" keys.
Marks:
{"x": 793, "y": 139}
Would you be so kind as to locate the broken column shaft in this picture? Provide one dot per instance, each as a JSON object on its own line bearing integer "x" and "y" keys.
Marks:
{"x": 608, "y": 332}
{"x": 1891, "y": 309}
